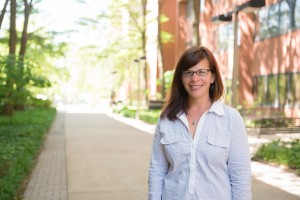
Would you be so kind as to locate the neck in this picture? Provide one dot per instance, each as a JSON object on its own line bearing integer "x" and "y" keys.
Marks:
{"x": 203, "y": 105}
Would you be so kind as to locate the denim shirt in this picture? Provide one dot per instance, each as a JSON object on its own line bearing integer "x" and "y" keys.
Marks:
{"x": 213, "y": 165}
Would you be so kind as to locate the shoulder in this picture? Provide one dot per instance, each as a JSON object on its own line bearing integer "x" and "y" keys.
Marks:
{"x": 227, "y": 113}
{"x": 165, "y": 122}
{"x": 232, "y": 112}
{"x": 236, "y": 120}
{"x": 221, "y": 108}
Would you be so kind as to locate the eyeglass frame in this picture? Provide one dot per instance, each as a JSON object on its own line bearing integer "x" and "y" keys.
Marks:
{"x": 197, "y": 72}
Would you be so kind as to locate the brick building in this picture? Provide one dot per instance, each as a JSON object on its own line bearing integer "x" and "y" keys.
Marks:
{"x": 258, "y": 50}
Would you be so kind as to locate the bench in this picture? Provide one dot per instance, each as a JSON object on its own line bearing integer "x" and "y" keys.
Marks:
{"x": 155, "y": 104}
{"x": 277, "y": 125}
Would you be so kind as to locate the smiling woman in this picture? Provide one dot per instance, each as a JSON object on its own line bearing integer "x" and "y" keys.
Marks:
{"x": 200, "y": 147}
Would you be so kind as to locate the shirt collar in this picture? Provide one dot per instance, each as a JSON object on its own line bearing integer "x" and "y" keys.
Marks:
{"x": 217, "y": 107}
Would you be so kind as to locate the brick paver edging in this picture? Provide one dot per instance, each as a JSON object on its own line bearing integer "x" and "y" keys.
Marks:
{"x": 49, "y": 177}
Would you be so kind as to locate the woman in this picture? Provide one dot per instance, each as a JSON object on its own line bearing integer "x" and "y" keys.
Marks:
{"x": 200, "y": 147}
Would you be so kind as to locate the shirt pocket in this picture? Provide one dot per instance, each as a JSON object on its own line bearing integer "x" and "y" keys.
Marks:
{"x": 219, "y": 146}
{"x": 171, "y": 146}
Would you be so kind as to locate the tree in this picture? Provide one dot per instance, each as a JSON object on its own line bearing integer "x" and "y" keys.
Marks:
{"x": 11, "y": 62}
{"x": 3, "y": 12}
{"x": 160, "y": 62}
{"x": 130, "y": 44}
{"x": 19, "y": 74}
{"x": 196, "y": 35}
{"x": 20, "y": 85}
{"x": 27, "y": 11}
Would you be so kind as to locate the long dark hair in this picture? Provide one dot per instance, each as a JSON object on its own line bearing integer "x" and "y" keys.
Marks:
{"x": 177, "y": 98}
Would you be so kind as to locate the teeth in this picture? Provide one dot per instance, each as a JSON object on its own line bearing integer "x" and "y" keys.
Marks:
{"x": 195, "y": 86}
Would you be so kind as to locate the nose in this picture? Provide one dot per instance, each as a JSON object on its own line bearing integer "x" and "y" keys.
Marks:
{"x": 195, "y": 77}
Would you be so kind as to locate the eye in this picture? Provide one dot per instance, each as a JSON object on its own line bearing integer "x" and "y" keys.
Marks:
{"x": 187, "y": 73}
{"x": 202, "y": 72}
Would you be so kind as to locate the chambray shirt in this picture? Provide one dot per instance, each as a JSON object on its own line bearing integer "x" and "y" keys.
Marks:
{"x": 214, "y": 165}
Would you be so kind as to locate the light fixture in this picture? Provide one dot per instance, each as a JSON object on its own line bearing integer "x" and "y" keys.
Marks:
{"x": 251, "y": 6}
{"x": 222, "y": 18}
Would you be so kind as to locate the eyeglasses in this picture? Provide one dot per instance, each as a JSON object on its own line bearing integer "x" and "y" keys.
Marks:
{"x": 199, "y": 72}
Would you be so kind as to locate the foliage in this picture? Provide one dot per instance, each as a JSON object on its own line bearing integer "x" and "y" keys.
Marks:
{"x": 284, "y": 153}
{"x": 22, "y": 76}
{"x": 15, "y": 78}
{"x": 294, "y": 155}
{"x": 21, "y": 137}
{"x": 168, "y": 78}
{"x": 149, "y": 116}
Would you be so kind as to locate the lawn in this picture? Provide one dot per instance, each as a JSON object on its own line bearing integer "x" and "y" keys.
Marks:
{"x": 21, "y": 139}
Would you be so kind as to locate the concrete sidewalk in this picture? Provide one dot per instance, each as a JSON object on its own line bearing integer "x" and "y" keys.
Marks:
{"x": 94, "y": 156}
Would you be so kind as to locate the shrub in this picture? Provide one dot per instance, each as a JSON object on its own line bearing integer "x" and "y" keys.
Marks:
{"x": 285, "y": 153}
{"x": 273, "y": 152}
{"x": 294, "y": 156}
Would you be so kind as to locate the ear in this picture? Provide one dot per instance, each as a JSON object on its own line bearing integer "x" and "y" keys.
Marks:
{"x": 212, "y": 80}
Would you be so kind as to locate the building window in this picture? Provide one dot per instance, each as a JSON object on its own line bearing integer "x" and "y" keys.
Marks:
{"x": 278, "y": 19}
{"x": 202, "y": 5}
{"x": 277, "y": 90}
{"x": 297, "y": 14}
{"x": 225, "y": 36}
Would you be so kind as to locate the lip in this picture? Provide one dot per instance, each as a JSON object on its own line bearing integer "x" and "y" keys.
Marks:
{"x": 196, "y": 87}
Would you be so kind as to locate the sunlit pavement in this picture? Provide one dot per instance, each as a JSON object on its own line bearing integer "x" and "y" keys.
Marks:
{"x": 107, "y": 158}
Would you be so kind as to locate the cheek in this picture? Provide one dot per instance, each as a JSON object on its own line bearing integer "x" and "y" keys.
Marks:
{"x": 184, "y": 83}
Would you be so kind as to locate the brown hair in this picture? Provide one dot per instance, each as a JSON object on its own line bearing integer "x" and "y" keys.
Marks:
{"x": 177, "y": 98}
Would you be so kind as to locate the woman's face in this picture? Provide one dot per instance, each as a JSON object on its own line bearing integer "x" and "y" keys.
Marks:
{"x": 197, "y": 84}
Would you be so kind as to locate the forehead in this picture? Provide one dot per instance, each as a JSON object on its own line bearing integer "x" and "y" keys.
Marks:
{"x": 203, "y": 64}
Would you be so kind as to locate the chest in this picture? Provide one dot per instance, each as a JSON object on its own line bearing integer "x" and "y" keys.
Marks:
{"x": 210, "y": 144}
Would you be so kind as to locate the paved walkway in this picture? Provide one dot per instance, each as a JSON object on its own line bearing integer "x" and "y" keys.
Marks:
{"x": 49, "y": 178}
{"x": 94, "y": 156}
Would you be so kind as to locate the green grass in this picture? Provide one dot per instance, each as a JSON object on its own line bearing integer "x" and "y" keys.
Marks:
{"x": 149, "y": 116}
{"x": 282, "y": 153}
{"x": 21, "y": 138}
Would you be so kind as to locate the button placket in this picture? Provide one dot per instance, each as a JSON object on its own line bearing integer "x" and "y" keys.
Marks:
{"x": 192, "y": 168}
{"x": 194, "y": 143}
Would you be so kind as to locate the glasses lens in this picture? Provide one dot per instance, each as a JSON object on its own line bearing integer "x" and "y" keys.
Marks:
{"x": 202, "y": 72}
{"x": 187, "y": 73}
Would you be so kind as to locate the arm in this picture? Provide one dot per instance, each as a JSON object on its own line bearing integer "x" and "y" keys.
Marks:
{"x": 239, "y": 163}
{"x": 158, "y": 167}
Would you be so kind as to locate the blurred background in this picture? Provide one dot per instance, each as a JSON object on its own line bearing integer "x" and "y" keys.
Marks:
{"x": 124, "y": 52}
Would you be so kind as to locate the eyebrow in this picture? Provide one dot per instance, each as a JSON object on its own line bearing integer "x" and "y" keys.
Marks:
{"x": 196, "y": 69}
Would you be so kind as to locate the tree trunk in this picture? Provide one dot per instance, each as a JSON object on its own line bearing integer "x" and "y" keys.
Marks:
{"x": 160, "y": 62}
{"x": 27, "y": 11}
{"x": 196, "y": 35}
{"x": 20, "y": 84}
{"x": 3, "y": 12}
{"x": 12, "y": 29}
{"x": 144, "y": 5}
{"x": 8, "y": 106}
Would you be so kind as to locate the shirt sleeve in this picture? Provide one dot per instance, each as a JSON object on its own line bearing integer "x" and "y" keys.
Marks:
{"x": 158, "y": 167}
{"x": 239, "y": 163}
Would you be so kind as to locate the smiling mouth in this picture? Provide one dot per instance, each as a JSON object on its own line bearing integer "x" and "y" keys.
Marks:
{"x": 196, "y": 87}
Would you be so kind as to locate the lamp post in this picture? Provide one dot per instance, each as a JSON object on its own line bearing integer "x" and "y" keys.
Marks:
{"x": 137, "y": 114}
{"x": 113, "y": 94}
{"x": 249, "y": 6}
{"x": 235, "y": 68}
